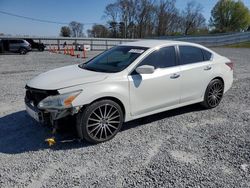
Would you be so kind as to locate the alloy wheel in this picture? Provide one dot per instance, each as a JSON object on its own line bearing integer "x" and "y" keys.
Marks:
{"x": 103, "y": 122}
{"x": 215, "y": 94}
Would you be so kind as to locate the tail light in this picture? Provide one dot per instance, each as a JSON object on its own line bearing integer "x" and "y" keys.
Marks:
{"x": 230, "y": 64}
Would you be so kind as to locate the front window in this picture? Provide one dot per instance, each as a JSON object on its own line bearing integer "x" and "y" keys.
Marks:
{"x": 115, "y": 59}
{"x": 161, "y": 58}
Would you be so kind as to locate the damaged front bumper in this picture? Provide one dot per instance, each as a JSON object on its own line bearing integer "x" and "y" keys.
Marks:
{"x": 47, "y": 106}
{"x": 48, "y": 116}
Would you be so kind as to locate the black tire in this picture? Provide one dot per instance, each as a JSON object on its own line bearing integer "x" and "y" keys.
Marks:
{"x": 213, "y": 94}
{"x": 100, "y": 121}
{"x": 22, "y": 51}
{"x": 41, "y": 49}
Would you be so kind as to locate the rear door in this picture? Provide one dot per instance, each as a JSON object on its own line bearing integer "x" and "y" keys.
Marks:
{"x": 14, "y": 45}
{"x": 196, "y": 72}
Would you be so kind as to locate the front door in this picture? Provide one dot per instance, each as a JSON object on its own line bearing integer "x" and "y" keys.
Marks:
{"x": 152, "y": 92}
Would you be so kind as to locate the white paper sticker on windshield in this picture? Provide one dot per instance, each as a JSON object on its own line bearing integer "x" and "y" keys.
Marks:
{"x": 137, "y": 51}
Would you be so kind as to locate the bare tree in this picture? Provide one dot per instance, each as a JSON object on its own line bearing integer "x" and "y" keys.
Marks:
{"x": 192, "y": 17}
{"x": 167, "y": 16}
{"x": 146, "y": 18}
{"x": 144, "y": 13}
{"x": 112, "y": 11}
{"x": 113, "y": 26}
{"x": 121, "y": 12}
{"x": 98, "y": 31}
{"x": 127, "y": 15}
{"x": 76, "y": 29}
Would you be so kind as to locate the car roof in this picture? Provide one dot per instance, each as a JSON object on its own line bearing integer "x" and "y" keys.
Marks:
{"x": 157, "y": 43}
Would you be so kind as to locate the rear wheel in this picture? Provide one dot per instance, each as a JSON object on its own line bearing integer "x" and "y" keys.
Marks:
{"x": 41, "y": 49}
{"x": 100, "y": 121}
{"x": 22, "y": 51}
{"x": 213, "y": 94}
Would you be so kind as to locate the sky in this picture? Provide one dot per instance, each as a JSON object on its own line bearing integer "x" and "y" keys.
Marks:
{"x": 84, "y": 11}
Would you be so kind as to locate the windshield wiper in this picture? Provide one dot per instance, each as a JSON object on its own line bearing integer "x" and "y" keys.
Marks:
{"x": 83, "y": 66}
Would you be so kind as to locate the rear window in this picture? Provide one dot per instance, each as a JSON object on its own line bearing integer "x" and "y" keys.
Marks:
{"x": 26, "y": 42}
{"x": 190, "y": 54}
{"x": 16, "y": 41}
{"x": 207, "y": 55}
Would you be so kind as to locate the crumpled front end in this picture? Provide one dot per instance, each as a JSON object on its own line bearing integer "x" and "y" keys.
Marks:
{"x": 44, "y": 105}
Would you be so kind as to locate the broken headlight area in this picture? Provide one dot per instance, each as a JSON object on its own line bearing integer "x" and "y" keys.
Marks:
{"x": 50, "y": 104}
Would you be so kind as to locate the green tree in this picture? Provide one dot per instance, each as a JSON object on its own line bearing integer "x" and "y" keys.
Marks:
{"x": 230, "y": 15}
{"x": 65, "y": 31}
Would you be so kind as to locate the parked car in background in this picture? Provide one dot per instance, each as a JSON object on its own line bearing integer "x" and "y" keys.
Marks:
{"x": 36, "y": 45}
{"x": 128, "y": 82}
{"x": 79, "y": 47}
{"x": 14, "y": 45}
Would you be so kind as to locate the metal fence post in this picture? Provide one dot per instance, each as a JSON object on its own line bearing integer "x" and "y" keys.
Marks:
{"x": 75, "y": 44}
{"x": 106, "y": 43}
{"x": 58, "y": 44}
{"x": 91, "y": 44}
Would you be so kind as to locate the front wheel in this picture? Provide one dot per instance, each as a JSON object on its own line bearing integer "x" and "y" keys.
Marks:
{"x": 213, "y": 94}
{"x": 100, "y": 121}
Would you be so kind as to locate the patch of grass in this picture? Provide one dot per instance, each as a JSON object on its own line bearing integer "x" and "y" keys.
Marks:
{"x": 239, "y": 45}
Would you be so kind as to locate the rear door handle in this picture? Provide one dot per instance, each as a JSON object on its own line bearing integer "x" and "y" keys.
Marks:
{"x": 207, "y": 68}
{"x": 174, "y": 76}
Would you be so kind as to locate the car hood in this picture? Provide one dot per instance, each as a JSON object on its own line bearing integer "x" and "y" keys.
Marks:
{"x": 65, "y": 77}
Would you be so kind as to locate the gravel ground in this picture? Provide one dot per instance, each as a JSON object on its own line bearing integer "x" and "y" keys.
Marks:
{"x": 186, "y": 147}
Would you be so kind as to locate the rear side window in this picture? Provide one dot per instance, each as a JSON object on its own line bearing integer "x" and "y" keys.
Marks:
{"x": 16, "y": 41}
{"x": 20, "y": 41}
{"x": 207, "y": 55}
{"x": 190, "y": 54}
{"x": 12, "y": 41}
{"x": 162, "y": 58}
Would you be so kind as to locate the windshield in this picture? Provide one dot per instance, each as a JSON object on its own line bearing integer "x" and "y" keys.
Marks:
{"x": 114, "y": 60}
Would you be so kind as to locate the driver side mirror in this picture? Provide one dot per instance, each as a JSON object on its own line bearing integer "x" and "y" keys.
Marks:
{"x": 145, "y": 69}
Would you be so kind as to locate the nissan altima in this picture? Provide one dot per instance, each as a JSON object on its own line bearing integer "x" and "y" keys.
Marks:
{"x": 127, "y": 82}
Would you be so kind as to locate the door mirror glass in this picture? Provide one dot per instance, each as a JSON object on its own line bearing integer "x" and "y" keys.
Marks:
{"x": 145, "y": 69}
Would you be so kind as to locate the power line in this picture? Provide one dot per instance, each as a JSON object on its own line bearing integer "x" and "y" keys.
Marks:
{"x": 39, "y": 20}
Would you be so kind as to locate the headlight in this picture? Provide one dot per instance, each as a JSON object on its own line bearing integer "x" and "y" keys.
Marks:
{"x": 58, "y": 101}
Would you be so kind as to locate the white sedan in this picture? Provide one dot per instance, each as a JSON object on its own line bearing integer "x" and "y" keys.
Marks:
{"x": 127, "y": 82}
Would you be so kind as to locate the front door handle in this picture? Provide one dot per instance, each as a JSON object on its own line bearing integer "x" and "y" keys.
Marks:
{"x": 174, "y": 76}
{"x": 207, "y": 68}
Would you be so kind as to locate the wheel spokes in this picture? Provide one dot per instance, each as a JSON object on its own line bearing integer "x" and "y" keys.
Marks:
{"x": 92, "y": 119}
{"x": 97, "y": 115}
{"x": 112, "y": 126}
{"x": 103, "y": 122}
{"x": 91, "y": 125}
{"x": 95, "y": 129}
{"x": 112, "y": 113}
{"x": 215, "y": 94}
{"x": 100, "y": 110}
